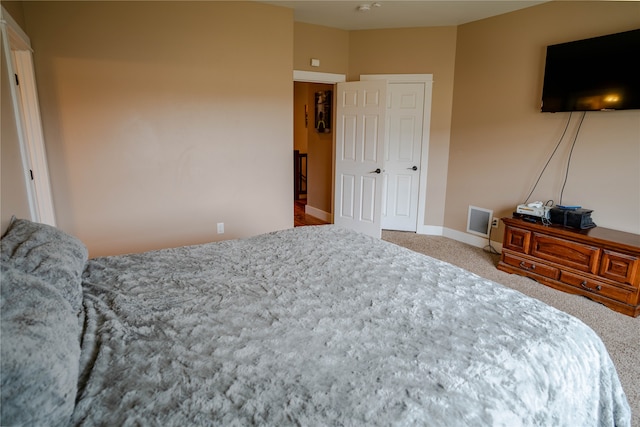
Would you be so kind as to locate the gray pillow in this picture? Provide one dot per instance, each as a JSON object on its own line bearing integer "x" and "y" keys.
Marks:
{"x": 48, "y": 253}
{"x": 40, "y": 351}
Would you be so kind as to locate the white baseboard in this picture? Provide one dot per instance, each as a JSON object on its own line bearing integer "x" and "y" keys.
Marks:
{"x": 470, "y": 239}
{"x": 430, "y": 230}
{"x": 318, "y": 213}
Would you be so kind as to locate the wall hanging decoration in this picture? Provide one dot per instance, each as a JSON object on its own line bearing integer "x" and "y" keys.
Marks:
{"x": 323, "y": 111}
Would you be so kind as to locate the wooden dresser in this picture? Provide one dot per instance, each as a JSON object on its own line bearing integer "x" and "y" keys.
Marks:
{"x": 599, "y": 263}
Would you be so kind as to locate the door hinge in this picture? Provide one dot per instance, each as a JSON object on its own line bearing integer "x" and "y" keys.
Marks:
{"x": 31, "y": 173}
{"x": 17, "y": 80}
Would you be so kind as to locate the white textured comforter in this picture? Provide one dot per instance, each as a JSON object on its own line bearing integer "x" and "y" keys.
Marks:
{"x": 319, "y": 326}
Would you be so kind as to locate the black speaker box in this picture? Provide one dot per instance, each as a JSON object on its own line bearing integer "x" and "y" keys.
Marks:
{"x": 576, "y": 218}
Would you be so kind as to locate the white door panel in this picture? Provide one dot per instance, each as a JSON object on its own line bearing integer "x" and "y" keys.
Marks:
{"x": 18, "y": 57}
{"x": 347, "y": 189}
{"x": 371, "y": 139}
{"x": 368, "y": 200}
{"x": 403, "y": 195}
{"x": 360, "y": 120}
{"x": 348, "y": 147}
{"x": 403, "y": 155}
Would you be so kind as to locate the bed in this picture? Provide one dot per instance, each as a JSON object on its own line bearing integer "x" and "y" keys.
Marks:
{"x": 311, "y": 326}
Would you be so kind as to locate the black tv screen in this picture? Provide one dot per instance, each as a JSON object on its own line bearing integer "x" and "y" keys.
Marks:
{"x": 600, "y": 73}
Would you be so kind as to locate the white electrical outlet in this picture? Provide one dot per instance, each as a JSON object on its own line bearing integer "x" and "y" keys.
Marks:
{"x": 495, "y": 223}
{"x": 221, "y": 228}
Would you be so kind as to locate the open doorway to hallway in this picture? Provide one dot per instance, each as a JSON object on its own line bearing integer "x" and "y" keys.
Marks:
{"x": 313, "y": 153}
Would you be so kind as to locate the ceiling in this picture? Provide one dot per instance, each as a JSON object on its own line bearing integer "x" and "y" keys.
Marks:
{"x": 346, "y": 15}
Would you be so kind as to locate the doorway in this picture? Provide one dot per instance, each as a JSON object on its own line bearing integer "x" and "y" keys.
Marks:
{"x": 18, "y": 57}
{"x": 313, "y": 147}
{"x": 315, "y": 144}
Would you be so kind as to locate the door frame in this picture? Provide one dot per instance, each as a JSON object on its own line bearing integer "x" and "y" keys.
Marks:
{"x": 327, "y": 78}
{"x": 19, "y": 58}
{"x": 427, "y": 80}
{"x": 317, "y": 77}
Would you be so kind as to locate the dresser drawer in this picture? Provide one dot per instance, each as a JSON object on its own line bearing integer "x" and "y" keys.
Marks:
{"x": 517, "y": 239}
{"x": 560, "y": 251}
{"x": 620, "y": 267}
{"x": 613, "y": 292}
{"x": 532, "y": 266}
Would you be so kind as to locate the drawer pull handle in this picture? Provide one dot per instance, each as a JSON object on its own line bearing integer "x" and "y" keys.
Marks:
{"x": 584, "y": 286}
{"x": 524, "y": 266}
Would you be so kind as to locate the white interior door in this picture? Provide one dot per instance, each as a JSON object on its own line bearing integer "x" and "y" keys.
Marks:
{"x": 24, "y": 95}
{"x": 401, "y": 186}
{"x": 360, "y": 133}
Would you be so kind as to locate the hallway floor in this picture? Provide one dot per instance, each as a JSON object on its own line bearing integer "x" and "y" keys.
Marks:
{"x": 300, "y": 218}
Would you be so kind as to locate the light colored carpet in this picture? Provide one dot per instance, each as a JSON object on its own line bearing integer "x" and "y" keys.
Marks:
{"x": 620, "y": 333}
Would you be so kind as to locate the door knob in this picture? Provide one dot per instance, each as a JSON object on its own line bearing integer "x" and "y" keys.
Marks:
{"x": 376, "y": 171}
{"x": 414, "y": 168}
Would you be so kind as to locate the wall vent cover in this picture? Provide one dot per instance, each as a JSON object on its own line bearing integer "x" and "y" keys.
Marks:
{"x": 479, "y": 221}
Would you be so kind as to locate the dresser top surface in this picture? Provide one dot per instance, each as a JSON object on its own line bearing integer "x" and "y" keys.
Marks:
{"x": 595, "y": 234}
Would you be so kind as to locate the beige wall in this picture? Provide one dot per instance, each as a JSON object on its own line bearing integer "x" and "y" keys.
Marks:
{"x": 15, "y": 10}
{"x": 499, "y": 139}
{"x": 329, "y": 45}
{"x": 416, "y": 51}
{"x": 162, "y": 119}
{"x": 12, "y": 181}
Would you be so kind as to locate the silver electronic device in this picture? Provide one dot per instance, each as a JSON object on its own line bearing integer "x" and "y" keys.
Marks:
{"x": 534, "y": 209}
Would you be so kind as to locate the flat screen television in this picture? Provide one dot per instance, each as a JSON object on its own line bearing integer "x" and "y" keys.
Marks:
{"x": 596, "y": 74}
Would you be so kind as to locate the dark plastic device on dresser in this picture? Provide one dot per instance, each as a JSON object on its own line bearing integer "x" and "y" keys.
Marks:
{"x": 598, "y": 263}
